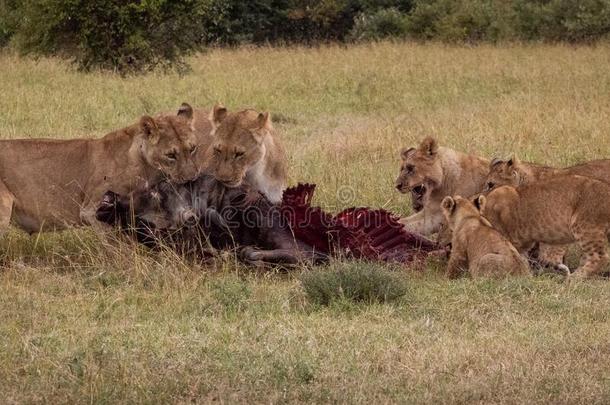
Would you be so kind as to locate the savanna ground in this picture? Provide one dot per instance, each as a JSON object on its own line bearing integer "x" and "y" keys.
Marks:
{"x": 86, "y": 321}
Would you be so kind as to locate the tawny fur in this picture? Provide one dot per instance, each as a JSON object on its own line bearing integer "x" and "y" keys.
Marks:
{"x": 50, "y": 184}
{"x": 513, "y": 172}
{"x": 443, "y": 172}
{"x": 243, "y": 147}
{"x": 476, "y": 246}
{"x": 555, "y": 211}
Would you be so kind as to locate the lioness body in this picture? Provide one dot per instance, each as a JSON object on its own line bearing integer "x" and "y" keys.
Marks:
{"x": 52, "y": 184}
{"x": 476, "y": 246}
{"x": 431, "y": 173}
{"x": 557, "y": 211}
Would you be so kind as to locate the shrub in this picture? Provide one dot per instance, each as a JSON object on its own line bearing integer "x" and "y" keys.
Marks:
{"x": 462, "y": 21}
{"x": 563, "y": 20}
{"x": 386, "y": 23}
{"x": 8, "y": 20}
{"x": 357, "y": 282}
{"x": 114, "y": 34}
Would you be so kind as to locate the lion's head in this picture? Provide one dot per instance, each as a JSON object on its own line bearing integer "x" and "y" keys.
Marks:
{"x": 456, "y": 209}
{"x": 238, "y": 143}
{"x": 503, "y": 173}
{"x": 420, "y": 172}
{"x": 170, "y": 144}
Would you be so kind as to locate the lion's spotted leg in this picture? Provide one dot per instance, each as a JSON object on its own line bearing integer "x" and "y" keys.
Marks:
{"x": 595, "y": 254}
{"x": 552, "y": 253}
{"x": 458, "y": 262}
{"x": 7, "y": 199}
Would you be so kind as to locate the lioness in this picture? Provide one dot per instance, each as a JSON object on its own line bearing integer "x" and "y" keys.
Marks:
{"x": 513, "y": 172}
{"x": 476, "y": 246}
{"x": 48, "y": 184}
{"x": 557, "y": 211}
{"x": 244, "y": 147}
{"x": 431, "y": 173}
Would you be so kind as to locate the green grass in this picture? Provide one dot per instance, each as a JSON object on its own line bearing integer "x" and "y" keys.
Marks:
{"x": 82, "y": 320}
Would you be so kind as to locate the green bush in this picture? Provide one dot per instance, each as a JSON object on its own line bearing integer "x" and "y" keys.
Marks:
{"x": 8, "y": 20}
{"x": 113, "y": 34}
{"x": 385, "y": 23}
{"x": 462, "y": 21}
{"x": 357, "y": 282}
{"x": 136, "y": 36}
{"x": 563, "y": 20}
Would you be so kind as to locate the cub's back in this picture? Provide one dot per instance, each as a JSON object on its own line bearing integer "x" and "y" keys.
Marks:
{"x": 595, "y": 169}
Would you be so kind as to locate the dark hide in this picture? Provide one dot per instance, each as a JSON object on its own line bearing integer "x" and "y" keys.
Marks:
{"x": 181, "y": 216}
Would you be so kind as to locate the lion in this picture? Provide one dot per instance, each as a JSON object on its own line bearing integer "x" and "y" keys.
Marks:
{"x": 245, "y": 148}
{"x": 476, "y": 245}
{"x": 431, "y": 173}
{"x": 50, "y": 184}
{"x": 559, "y": 210}
{"x": 513, "y": 172}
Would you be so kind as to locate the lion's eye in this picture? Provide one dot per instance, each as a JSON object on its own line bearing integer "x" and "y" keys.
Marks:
{"x": 171, "y": 155}
{"x": 239, "y": 154}
{"x": 409, "y": 168}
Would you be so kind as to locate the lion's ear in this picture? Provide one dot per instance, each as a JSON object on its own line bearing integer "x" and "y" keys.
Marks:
{"x": 263, "y": 126}
{"x": 264, "y": 121}
{"x": 406, "y": 152}
{"x": 448, "y": 205}
{"x": 185, "y": 111}
{"x": 494, "y": 161}
{"x": 480, "y": 202}
{"x": 218, "y": 114}
{"x": 513, "y": 161}
{"x": 149, "y": 128}
{"x": 429, "y": 146}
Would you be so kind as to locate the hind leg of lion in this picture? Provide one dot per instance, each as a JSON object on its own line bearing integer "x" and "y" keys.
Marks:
{"x": 7, "y": 199}
{"x": 552, "y": 253}
{"x": 595, "y": 254}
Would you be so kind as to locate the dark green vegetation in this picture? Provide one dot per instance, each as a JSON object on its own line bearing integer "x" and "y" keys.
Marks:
{"x": 140, "y": 36}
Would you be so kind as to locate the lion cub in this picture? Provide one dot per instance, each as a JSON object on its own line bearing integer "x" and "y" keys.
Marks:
{"x": 557, "y": 211}
{"x": 477, "y": 246}
{"x": 513, "y": 172}
{"x": 431, "y": 172}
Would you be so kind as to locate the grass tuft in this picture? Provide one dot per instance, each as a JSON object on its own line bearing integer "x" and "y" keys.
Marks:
{"x": 355, "y": 282}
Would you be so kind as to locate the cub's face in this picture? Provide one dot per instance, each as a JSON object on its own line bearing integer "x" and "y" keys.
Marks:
{"x": 457, "y": 208}
{"x": 170, "y": 144}
{"x": 238, "y": 144}
{"x": 502, "y": 173}
{"x": 420, "y": 172}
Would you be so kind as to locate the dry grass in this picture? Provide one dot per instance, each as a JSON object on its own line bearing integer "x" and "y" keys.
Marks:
{"x": 81, "y": 321}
